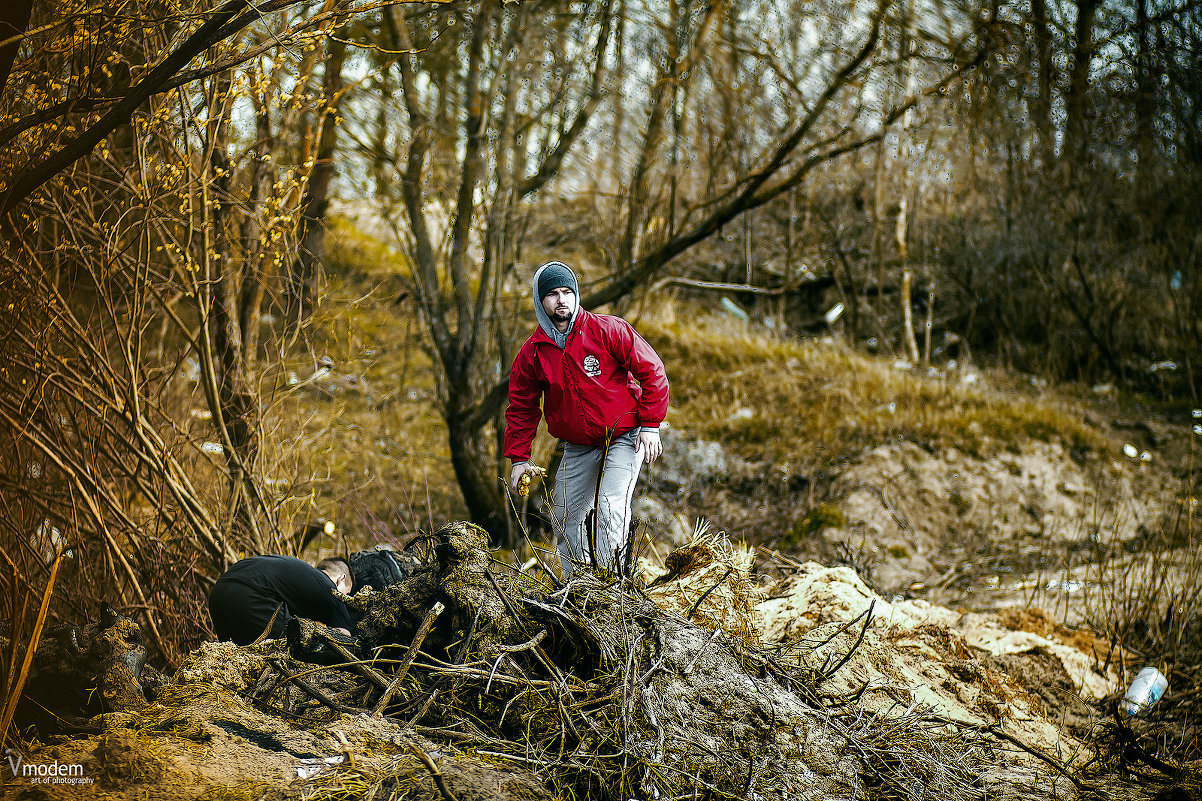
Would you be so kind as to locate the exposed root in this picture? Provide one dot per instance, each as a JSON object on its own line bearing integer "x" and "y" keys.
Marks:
{"x": 595, "y": 687}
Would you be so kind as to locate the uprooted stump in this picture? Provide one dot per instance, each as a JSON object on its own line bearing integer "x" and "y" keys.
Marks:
{"x": 606, "y": 694}
{"x": 82, "y": 671}
{"x": 465, "y": 683}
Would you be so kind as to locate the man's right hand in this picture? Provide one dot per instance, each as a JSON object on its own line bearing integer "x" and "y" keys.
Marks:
{"x": 515, "y": 475}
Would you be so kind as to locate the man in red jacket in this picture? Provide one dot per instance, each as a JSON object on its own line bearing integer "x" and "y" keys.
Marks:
{"x": 604, "y": 393}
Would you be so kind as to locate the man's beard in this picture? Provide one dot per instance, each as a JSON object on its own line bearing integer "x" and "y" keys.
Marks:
{"x": 563, "y": 316}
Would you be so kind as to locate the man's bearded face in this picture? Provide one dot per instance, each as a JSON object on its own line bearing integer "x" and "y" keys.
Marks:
{"x": 560, "y": 304}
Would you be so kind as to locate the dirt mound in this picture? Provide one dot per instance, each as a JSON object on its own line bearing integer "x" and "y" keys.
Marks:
{"x": 601, "y": 689}
{"x": 902, "y": 502}
{"x": 974, "y": 668}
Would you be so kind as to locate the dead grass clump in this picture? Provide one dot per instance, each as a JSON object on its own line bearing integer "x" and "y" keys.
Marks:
{"x": 709, "y": 581}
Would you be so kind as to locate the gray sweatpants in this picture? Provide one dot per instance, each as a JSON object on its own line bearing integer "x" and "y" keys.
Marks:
{"x": 606, "y": 477}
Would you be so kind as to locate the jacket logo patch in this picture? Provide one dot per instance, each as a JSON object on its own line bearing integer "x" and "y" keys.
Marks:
{"x": 592, "y": 366}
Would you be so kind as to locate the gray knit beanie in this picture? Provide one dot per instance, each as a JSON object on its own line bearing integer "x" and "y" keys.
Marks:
{"x": 553, "y": 275}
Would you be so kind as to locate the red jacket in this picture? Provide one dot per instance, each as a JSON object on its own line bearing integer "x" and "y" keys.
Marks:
{"x": 606, "y": 381}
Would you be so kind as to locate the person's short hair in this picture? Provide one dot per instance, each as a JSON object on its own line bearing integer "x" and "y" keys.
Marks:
{"x": 335, "y": 569}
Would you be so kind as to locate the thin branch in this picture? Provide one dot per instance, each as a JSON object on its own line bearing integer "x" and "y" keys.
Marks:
{"x": 407, "y": 660}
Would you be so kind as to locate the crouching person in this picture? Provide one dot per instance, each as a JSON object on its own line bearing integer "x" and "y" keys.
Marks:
{"x": 259, "y": 595}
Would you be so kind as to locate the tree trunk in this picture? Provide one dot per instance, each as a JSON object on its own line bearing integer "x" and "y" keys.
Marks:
{"x": 1041, "y": 104}
{"x": 904, "y": 294}
{"x": 1145, "y": 93}
{"x": 14, "y": 19}
{"x": 254, "y": 267}
{"x": 311, "y": 238}
{"x": 906, "y": 156}
{"x": 929, "y": 323}
{"x": 238, "y": 408}
{"x": 1075, "y": 105}
{"x": 474, "y": 470}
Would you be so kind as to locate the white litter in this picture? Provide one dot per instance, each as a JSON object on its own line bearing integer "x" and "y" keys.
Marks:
{"x": 308, "y": 768}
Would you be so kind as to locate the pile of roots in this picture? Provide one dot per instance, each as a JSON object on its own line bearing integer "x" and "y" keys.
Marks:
{"x": 467, "y": 680}
{"x": 604, "y": 694}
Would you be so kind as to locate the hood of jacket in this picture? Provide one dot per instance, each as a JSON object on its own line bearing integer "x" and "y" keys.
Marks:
{"x": 544, "y": 319}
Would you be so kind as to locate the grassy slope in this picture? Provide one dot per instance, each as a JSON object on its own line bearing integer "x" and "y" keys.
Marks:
{"x": 803, "y": 401}
{"x": 368, "y": 442}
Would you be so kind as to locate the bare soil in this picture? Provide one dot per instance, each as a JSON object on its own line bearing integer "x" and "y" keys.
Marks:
{"x": 957, "y": 528}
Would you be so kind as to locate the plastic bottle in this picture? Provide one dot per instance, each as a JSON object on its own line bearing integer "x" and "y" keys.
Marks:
{"x": 1146, "y": 690}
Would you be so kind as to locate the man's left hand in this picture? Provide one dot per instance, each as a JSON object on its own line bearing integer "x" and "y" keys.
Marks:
{"x": 648, "y": 443}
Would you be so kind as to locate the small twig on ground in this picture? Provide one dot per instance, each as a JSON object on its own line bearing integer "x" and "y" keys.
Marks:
{"x": 465, "y": 672}
{"x": 425, "y": 707}
{"x": 264, "y": 684}
{"x": 467, "y": 638}
{"x": 1059, "y": 766}
{"x": 361, "y": 667}
{"x": 270, "y": 625}
{"x": 504, "y": 597}
{"x": 689, "y": 667}
{"x": 434, "y": 772}
{"x": 1132, "y": 747}
{"x": 753, "y": 769}
{"x": 531, "y": 643}
{"x": 843, "y": 628}
{"x": 314, "y": 692}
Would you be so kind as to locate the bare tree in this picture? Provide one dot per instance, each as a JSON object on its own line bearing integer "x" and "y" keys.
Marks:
{"x": 479, "y": 133}
{"x": 1074, "y": 259}
{"x": 467, "y": 137}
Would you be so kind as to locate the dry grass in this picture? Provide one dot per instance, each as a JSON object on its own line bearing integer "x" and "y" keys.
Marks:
{"x": 364, "y": 444}
{"x": 1146, "y": 595}
{"x": 810, "y": 401}
{"x": 360, "y": 439}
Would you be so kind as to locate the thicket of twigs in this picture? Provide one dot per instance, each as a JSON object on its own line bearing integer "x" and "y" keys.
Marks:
{"x": 131, "y": 464}
{"x": 1147, "y": 596}
{"x": 603, "y": 693}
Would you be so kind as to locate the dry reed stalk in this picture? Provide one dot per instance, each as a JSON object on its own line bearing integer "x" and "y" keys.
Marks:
{"x": 14, "y": 694}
